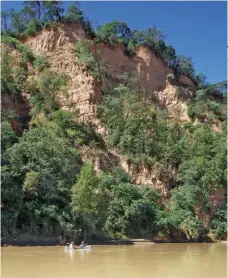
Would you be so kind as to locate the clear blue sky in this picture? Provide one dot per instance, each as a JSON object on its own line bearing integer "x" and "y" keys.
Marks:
{"x": 195, "y": 29}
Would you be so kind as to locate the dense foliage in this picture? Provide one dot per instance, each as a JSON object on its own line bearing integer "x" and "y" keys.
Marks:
{"x": 191, "y": 157}
{"x": 46, "y": 187}
{"x": 38, "y": 14}
{"x": 209, "y": 104}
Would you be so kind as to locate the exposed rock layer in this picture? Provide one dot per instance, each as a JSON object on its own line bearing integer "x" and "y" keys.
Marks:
{"x": 83, "y": 93}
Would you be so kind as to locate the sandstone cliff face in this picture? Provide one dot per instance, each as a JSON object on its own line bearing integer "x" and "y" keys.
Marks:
{"x": 143, "y": 175}
{"x": 162, "y": 182}
{"x": 83, "y": 93}
{"x": 174, "y": 99}
{"x": 150, "y": 68}
{"x": 49, "y": 39}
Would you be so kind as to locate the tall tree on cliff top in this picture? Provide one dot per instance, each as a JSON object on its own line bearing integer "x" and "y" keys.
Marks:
{"x": 35, "y": 6}
{"x": 53, "y": 10}
{"x": 73, "y": 14}
{"x": 114, "y": 31}
{"x": 6, "y": 20}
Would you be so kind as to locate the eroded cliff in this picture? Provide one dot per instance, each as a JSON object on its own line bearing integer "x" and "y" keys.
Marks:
{"x": 83, "y": 93}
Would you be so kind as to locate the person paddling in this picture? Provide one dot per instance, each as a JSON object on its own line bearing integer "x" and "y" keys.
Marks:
{"x": 71, "y": 245}
{"x": 82, "y": 244}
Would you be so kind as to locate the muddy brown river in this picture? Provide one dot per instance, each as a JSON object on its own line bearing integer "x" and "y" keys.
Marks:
{"x": 135, "y": 261}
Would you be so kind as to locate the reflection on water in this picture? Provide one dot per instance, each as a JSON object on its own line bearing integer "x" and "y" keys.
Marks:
{"x": 153, "y": 260}
{"x": 79, "y": 252}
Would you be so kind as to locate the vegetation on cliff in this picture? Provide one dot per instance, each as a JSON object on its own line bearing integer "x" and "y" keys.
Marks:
{"x": 46, "y": 187}
{"x": 36, "y": 15}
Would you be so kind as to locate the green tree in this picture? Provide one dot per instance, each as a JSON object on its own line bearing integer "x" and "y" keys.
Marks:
{"x": 219, "y": 223}
{"x": 201, "y": 80}
{"x": 33, "y": 27}
{"x": 35, "y": 6}
{"x": 53, "y": 11}
{"x": 6, "y": 20}
{"x": 83, "y": 50}
{"x": 40, "y": 150}
{"x": 17, "y": 23}
{"x": 84, "y": 199}
{"x": 73, "y": 14}
{"x": 129, "y": 212}
{"x": 113, "y": 32}
{"x": 45, "y": 92}
{"x": 184, "y": 66}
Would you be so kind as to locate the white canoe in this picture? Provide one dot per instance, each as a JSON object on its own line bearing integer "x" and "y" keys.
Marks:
{"x": 68, "y": 248}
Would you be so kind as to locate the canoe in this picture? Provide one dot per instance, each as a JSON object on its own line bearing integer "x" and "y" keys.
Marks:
{"x": 68, "y": 248}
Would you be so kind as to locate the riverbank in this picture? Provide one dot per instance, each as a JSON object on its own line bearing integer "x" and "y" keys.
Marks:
{"x": 30, "y": 240}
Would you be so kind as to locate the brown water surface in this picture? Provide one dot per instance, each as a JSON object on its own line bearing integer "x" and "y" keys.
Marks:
{"x": 135, "y": 261}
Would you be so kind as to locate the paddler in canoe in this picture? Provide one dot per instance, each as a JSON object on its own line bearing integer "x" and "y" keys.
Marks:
{"x": 72, "y": 245}
{"x": 81, "y": 246}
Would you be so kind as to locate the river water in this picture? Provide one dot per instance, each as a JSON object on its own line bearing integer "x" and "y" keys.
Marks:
{"x": 134, "y": 261}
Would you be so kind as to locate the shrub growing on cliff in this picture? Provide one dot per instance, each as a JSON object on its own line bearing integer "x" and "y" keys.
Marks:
{"x": 170, "y": 77}
{"x": 133, "y": 125}
{"x": 7, "y": 80}
{"x": 45, "y": 91}
{"x": 14, "y": 74}
{"x": 86, "y": 56}
{"x": 113, "y": 32}
{"x": 184, "y": 65}
{"x": 40, "y": 63}
{"x": 204, "y": 108}
{"x": 33, "y": 27}
{"x": 16, "y": 44}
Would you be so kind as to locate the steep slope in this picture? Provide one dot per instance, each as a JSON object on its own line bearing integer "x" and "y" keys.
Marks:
{"x": 133, "y": 121}
{"x": 83, "y": 92}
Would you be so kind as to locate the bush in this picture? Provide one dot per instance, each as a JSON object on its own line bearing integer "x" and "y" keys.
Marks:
{"x": 170, "y": 77}
{"x": 184, "y": 65}
{"x": 51, "y": 24}
{"x": 40, "y": 63}
{"x": 130, "y": 49}
{"x": 13, "y": 76}
{"x": 16, "y": 44}
{"x": 89, "y": 58}
{"x": 219, "y": 223}
{"x": 20, "y": 78}
{"x": 7, "y": 80}
{"x": 33, "y": 27}
{"x": 88, "y": 28}
{"x": 73, "y": 14}
{"x": 44, "y": 92}
{"x": 213, "y": 106}
{"x": 191, "y": 110}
